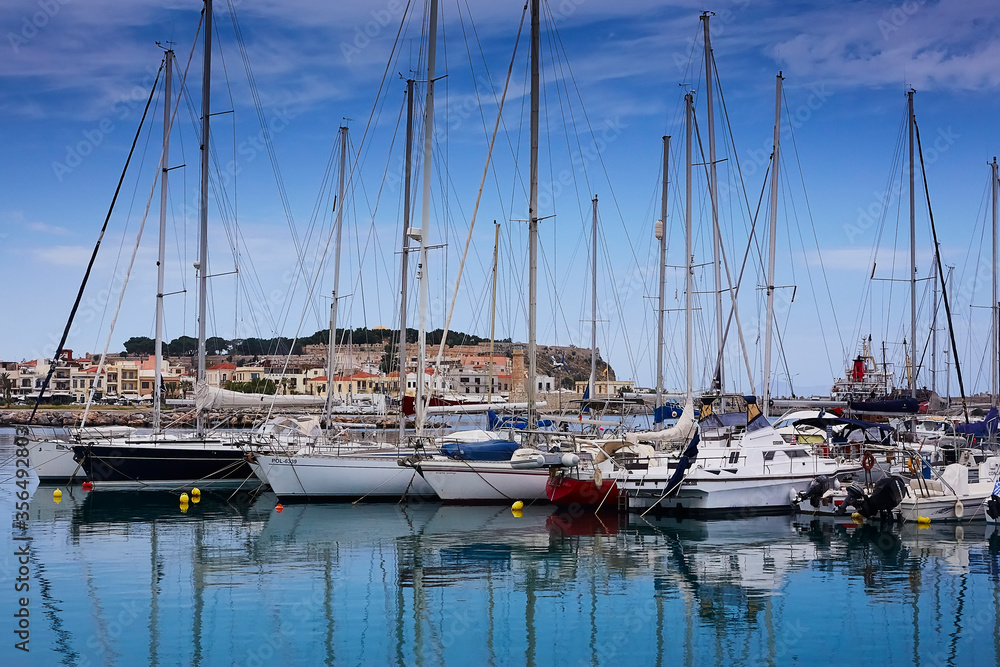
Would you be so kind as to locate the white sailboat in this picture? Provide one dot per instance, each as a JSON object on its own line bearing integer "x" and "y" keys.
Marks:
{"x": 521, "y": 478}
{"x": 321, "y": 474}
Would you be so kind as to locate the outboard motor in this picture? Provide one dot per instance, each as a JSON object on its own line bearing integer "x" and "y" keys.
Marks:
{"x": 993, "y": 507}
{"x": 814, "y": 492}
{"x": 886, "y": 495}
{"x": 855, "y": 496}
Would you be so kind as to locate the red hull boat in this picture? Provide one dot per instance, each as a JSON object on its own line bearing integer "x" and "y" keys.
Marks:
{"x": 582, "y": 492}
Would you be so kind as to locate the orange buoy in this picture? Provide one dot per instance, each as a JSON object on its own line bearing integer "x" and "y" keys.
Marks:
{"x": 278, "y": 508}
{"x": 87, "y": 486}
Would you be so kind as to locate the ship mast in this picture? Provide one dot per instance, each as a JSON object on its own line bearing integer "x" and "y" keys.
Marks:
{"x": 161, "y": 251}
{"x": 688, "y": 268}
{"x": 332, "y": 342}
{"x": 772, "y": 243}
{"x": 714, "y": 194}
{"x": 425, "y": 214}
{"x": 405, "y": 259}
{"x": 533, "y": 219}
{"x": 912, "y": 375}
{"x": 661, "y": 236}
{"x": 202, "y": 265}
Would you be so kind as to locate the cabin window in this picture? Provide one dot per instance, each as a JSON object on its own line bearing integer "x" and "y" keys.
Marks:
{"x": 796, "y": 453}
{"x": 734, "y": 457}
{"x": 769, "y": 456}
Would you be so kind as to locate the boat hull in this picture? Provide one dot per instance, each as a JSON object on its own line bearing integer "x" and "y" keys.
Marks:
{"x": 483, "y": 482}
{"x": 340, "y": 478}
{"x": 731, "y": 498}
{"x": 207, "y": 464}
{"x": 568, "y": 491}
{"x": 53, "y": 462}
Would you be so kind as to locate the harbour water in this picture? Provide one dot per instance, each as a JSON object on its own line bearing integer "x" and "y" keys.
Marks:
{"x": 126, "y": 579}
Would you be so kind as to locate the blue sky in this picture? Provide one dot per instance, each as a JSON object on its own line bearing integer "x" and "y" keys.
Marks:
{"x": 75, "y": 74}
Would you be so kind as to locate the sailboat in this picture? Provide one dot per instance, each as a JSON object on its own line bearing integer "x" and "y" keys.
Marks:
{"x": 162, "y": 460}
{"x": 524, "y": 476}
{"x": 377, "y": 473}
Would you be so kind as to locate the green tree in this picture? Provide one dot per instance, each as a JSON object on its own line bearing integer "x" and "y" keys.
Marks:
{"x": 140, "y": 346}
{"x": 182, "y": 345}
{"x": 5, "y": 387}
{"x": 255, "y": 386}
{"x": 216, "y": 345}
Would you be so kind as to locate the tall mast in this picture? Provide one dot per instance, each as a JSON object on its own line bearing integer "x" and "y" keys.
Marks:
{"x": 425, "y": 215}
{"x": 405, "y": 259}
{"x": 994, "y": 330}
{"x": 593, "y": 304}
{"x": 772, "y": 243}
{"x": 161, "y": 251}
{"x": 934, "y": 328}
{"x": 533, "y": 217}
{"x": 206, "y": 82}
{"x": 493, "y": 307}
{"x": 913, "y": 257}
{"x": 332, "y": 342}
{"x": 713, "y": 193}
{"x": 688, "y": 282}
{"x": 661, "y": 235}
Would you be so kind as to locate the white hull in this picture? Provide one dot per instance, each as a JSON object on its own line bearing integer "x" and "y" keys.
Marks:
{"x": 53, "y": 461}
{"x": 943, "y": 508}
{"x": 484, "y": 481}
{"x": 738, "y": 495}
{"x": 339, "y": 477}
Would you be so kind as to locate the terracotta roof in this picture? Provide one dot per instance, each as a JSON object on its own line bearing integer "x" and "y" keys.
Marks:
{"x": 223, "y": 367}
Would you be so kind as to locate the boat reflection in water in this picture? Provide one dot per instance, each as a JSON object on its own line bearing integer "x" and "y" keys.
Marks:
{"x": 131, "y": 579}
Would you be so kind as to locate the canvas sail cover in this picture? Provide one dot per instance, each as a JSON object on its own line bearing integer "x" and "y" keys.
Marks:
{"x": 214, "y": 398}
{"x": 679, "y": 432}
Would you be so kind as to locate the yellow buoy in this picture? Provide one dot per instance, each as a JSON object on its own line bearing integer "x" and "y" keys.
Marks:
{"x": 857, "y": 518}
{"x": 517, "y": 513}
{"x": 195, "y": 492}
{"x": 923, "y": 520}
{"x": 517, "y": 506}
{"x": 184, "y": 499}
{"x": 57, "y": 496}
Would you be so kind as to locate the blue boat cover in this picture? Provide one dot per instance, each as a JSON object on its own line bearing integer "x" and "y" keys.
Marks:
{"x": 485, "y": 450}
{"x": 982, "y": 429}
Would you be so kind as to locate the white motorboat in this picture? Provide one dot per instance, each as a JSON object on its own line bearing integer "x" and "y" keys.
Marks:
{"x": 756, "y": 472}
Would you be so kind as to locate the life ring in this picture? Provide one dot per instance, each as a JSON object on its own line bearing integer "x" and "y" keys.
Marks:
{"x": 868, "y": 462}
{"x": 911, "y": 466}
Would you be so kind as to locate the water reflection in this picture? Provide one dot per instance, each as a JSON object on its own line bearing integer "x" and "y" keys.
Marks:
{"x": 130, "y": 578}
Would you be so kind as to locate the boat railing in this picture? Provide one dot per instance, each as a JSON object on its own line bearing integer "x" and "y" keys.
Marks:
{"x": 54, "y": 433}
